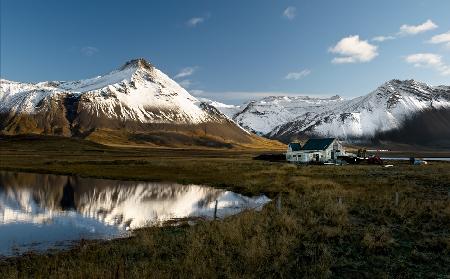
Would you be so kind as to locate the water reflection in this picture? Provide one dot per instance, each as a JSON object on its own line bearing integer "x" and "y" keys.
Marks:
{"x": 38, "y": 211}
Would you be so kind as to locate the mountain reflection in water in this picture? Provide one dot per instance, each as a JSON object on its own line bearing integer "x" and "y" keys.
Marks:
{"x": 38, "y": 211}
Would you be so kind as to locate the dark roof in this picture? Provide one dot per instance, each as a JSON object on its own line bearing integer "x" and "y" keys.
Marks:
{"x": 318, "y": 144}
{"x": 295, "y": 146}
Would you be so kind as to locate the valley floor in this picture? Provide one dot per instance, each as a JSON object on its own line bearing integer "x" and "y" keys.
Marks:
{"x": 335, "y": 221}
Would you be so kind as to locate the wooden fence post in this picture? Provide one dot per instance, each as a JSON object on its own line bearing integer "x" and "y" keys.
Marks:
{"x": 396, "y": 198}
{"x": 215, "y": 210}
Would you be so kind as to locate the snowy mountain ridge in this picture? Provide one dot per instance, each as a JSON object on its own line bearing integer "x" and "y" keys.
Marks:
{"x": 137, "y": 97}
{"x": 284, "y": 117}
{"x": 266, "y": 114}
{"x": 129, "y": 93}
{"x": 134, "y": 104}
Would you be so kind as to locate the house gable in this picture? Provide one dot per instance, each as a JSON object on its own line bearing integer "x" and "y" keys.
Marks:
{"x": 294, "y": 146}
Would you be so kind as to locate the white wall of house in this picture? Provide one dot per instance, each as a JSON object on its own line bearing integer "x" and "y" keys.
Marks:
{"x": 297, "y": 156}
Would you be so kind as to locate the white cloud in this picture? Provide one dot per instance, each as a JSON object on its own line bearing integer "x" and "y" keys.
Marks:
{"x": 443, "y": 38}
{"x": 423, "y": 59}
{"x": 429, "y": 60}
{"x": 408, "y": 30}
{"x": 383, "y": 38}
{"x": 297, "y": 75}
{"x": 290, "y": 13}
{"x": 185, "y": 72}
{"x": 343, "y": 60}
{"x": 353, "y": 50}
{"x": 193, "y": 22}
{"x": 185, "y": 83}
{"x": 89, "y": 50}
{"x": 416, "y": 29}
{"x": 182, "y": 75}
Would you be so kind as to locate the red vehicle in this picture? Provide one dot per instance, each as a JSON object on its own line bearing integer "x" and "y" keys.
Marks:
{"x": 375, "y": 160}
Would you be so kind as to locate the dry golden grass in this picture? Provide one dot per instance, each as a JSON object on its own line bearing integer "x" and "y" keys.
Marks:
{"x": 340, "y": 222}
{"x": 195, "y": 139}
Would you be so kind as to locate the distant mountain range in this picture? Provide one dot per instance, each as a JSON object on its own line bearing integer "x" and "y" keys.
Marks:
{"x": 139, "y": 104}
{"x": 391, "y": 107}
{"x": 136, "y": 103}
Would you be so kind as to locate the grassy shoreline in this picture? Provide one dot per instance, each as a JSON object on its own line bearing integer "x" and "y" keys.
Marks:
{"x": 339, "y": 222}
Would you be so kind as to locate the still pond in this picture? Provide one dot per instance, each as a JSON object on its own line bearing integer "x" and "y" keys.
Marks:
{"x": 43, "y": 211}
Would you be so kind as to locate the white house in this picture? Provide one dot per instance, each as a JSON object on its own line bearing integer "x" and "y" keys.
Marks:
{"x": 315, "y": 150}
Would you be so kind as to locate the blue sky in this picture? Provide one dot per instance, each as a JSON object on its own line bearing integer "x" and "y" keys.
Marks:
{"x": 230, "y": 50}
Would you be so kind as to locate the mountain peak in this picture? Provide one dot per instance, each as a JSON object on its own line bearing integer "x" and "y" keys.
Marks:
{"x": 134, "y": 100}
{"x": 336, "y": 97}
{"x": 137, "y": 63}
{"x": 406, "y": 82}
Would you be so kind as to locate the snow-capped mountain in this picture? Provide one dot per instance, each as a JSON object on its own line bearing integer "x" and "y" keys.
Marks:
{"x": 136, "y": 98}
{"x": 152, "y": 108}
{"x": 266, "y": 114}
{"x": 384, "y": 109}
{"x": 135, "y": 92}
{"x": 228, "y": 110}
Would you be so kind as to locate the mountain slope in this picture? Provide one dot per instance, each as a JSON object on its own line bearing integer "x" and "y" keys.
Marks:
{"x": 124, "y": 105}
{"x": 266, "y": 114}
{"x": 386, "y": 108}
{"x": 430, "y": 127}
